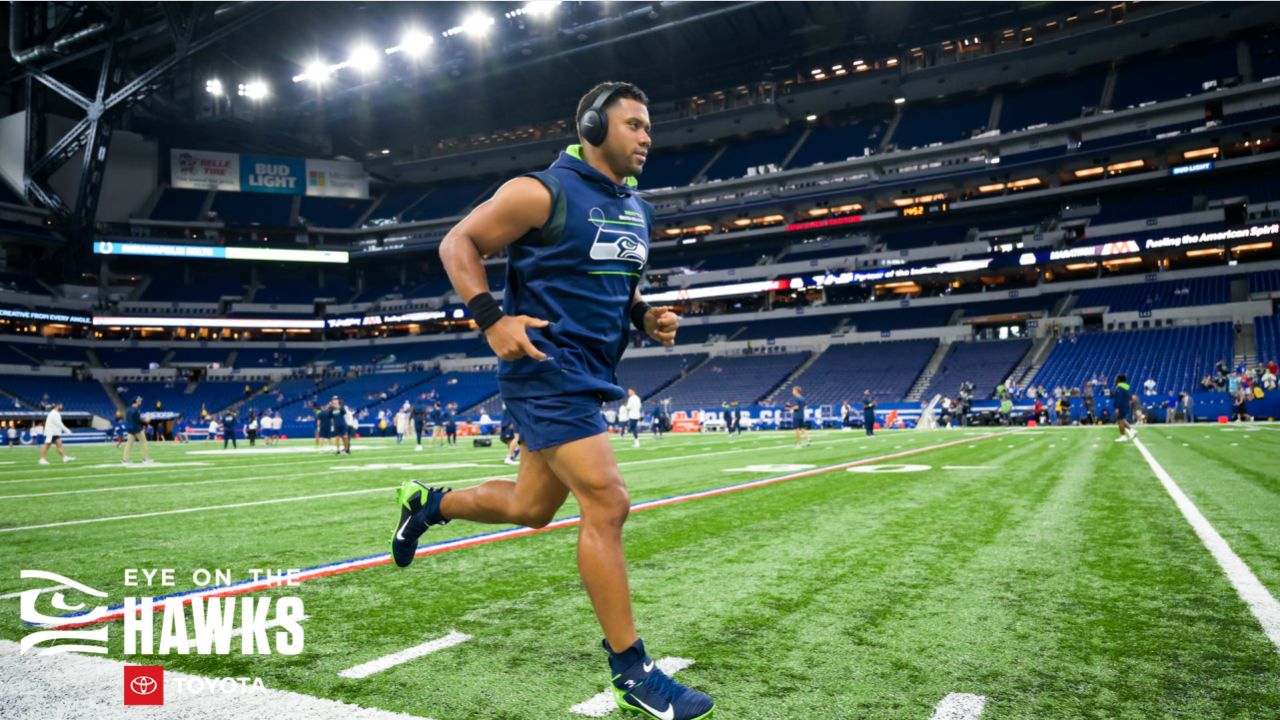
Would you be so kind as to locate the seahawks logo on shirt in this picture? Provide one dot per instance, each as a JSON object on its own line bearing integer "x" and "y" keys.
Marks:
{"x": 615, "y": 241}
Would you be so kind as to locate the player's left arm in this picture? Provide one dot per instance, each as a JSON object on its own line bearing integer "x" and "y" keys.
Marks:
{"x": 660, "y": 323}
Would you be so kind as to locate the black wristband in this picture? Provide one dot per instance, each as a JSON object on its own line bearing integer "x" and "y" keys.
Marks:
{"x": 638, "y": 311}
{"x": 485, "y": 310}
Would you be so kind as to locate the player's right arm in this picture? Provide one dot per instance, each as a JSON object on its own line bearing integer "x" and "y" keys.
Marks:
{"x": 520, "y": 205}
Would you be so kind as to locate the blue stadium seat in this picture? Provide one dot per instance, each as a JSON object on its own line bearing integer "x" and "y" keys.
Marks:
{"x": 1152, "y": 295}
{"x": 1178, "y": 74}
{"x": 843, "y": 372}
{"x": 649, "y": 375}
{"x": 746, "y": 379}
{"x": 739, "y": 156}
{"x": 985, "y": 364}
{"x": 447, "y": 200}
{"x": 673, "y": 168}
{"x": 837, "y": 144}
{"x": 1051, "y": 100}
{"x": 328, "y": 212}
{"x": 1176, "y": 358}
{"x": 925, "y": 123}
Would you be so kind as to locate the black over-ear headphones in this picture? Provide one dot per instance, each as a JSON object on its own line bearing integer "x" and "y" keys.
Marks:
{"x": 593, "y": 126}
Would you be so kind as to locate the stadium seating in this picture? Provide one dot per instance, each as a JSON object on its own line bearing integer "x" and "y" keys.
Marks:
{"x": 1154, "y": 295}
{"x": 925, "y": 123}
{"x": 904, "y": 318}
{"x": 1176, "y": 358}
{"x": 843, "y": 372}
{"x": 57, "y": 354}
{"x": 649, "y": 375}
{"x": 1051, "y": 100}
{"x": 671, "y": 168}
{"x": 1268, "y": 281}
{"x": 247, "y": 208}
{"x": 205, "y": 287}
{"x": 838, "y": 143}
{"x": 172, "y": 396}
{"x": 15, "y": 282}
{"x": 985, "y": 364}
{"x": 1172, "y": 76}
{"x": 128, "y": 357}
{"x": 15, "y": 355}
{"x": 1007, "y": 306}
{"x": 75, "y": 395}
{"x": 467, "y": 389}
{"x": 204, "y": 356}
{"x": 332, "y": 212}
{"x": 179, "y": 205}
{"x": 1265, "y": 53}
{"x": 396, "y": 201}
{"x": 1267, "y": 337}
{"x": 739, "y": 156}
{"x": 248, "y": 359}
{"x": 746, "y": 379}
{"x": 789, "y": 327}
{"x": 447, "y": 200}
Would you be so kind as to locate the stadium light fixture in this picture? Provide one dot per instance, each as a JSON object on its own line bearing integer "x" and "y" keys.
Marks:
{"x": 476, "y": 24}
{"x": 414, "y": 43}
{"x": 811, "y": 117}
{"x": 213, "y": 87}
{"x": 316, "y": 72}
{"x": 1089, "y": 172}
{"x": 540, "y": 8}
{"x": 386, "y": 151}
{"x": 363, "y": 59}
{"x": 254, "y": 90}
{"x": 899, "y": 100}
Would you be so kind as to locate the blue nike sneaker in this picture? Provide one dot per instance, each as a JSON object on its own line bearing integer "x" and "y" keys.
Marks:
{"x": 419, "y": 510}
{"x": 639, "y": 685}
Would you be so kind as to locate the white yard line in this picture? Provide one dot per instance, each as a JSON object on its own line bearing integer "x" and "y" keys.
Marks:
{"x": 959, "y": 706}
{"x": 68, "y": 685}
{"x": 386, "y": 662}
{"x": 1254, "y": 594}
{"x": 276, "y": 501}
{"x": 180, "y": 511}
{"x": 604, "y": 703}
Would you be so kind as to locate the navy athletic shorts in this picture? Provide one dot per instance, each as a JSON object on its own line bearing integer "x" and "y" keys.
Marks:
{"x": 556, "y": 419}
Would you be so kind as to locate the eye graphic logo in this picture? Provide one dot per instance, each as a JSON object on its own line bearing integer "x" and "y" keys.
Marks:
{"x": 143, "y": 684}
{"x": 186, "y": 164}
{"x": 77, "y": 638}
{"x": 616, "y": 244}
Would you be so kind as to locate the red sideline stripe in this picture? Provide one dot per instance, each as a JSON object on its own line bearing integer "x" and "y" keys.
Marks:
{"x": 521, "y": 532}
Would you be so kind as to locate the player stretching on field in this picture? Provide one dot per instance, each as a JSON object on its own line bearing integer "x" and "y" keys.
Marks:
{"x": 577, "y": 239}
{"x": 797, "y": 417}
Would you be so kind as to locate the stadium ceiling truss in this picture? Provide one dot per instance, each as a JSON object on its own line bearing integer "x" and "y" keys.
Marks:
{"x": 95, "y": 41}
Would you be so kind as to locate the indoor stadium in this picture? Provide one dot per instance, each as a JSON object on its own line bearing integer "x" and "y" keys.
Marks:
{"x": 673, "y": 360}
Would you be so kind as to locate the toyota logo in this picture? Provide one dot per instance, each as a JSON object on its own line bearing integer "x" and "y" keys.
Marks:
{"x": 143, "y": 685}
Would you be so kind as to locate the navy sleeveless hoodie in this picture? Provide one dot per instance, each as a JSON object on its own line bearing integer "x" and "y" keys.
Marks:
{"x": 578, "y": 272}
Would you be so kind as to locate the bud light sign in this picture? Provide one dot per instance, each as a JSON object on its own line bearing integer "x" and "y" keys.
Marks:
{"x": 260, "y": 173}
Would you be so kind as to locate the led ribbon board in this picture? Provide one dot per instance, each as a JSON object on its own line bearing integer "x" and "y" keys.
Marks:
{"x": 205, "y": 252}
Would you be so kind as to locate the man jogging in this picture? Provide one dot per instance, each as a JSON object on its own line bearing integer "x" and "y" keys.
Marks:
{"x": 577, "y": 240}
{"x": 135, "y": 432}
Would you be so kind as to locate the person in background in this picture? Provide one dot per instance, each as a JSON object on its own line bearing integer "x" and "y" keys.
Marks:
{"x": 135, "y": 430}
{"x": 229, "y": 420}
{"x": 450, "y": 418}
{"x": 53, "y": 432}
{"x": 633, "y": 416}
{"x": 797, "y": 407}
{"x": 868, "y": 413}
